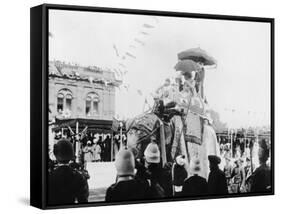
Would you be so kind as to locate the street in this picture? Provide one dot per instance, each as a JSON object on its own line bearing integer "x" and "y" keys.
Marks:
{"x": 102, "y": 175}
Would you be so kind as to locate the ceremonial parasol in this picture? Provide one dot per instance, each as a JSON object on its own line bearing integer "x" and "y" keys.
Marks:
{"x": 197, "y": 55}
{"x": 186, "y": 66}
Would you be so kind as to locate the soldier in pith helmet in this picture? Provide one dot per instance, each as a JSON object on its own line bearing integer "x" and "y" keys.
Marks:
{"x": 66, "y": 185}
{"x": 126, "y": 187}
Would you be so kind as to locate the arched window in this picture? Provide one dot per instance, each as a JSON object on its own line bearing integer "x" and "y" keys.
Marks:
{"x": 92, "y": 104}
{"x": 64, "y": 100}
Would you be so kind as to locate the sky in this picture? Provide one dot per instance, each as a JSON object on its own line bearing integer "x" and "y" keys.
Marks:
{"x": 238, "y": 88}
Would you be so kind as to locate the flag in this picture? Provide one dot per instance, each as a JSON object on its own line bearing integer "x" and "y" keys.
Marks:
{"x": 115, "y": 124}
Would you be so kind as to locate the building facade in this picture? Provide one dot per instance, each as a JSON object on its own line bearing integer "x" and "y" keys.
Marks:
{"x": 81, "y": 92}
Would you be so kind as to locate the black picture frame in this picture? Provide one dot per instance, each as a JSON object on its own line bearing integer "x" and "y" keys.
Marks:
{"x": 39, "y": 98}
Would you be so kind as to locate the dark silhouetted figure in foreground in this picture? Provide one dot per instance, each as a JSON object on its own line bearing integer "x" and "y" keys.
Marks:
{"x": 155, "y": 174}
{"x": 66, "y": 185}
{"x": 126, "y": 187}
{"x": 217, "y": 184}
{"x": 195, "y": 185}
{"x": 260, "y": 180}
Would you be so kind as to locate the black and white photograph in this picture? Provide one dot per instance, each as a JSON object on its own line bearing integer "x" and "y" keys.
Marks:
{"x": 145, "y": 108}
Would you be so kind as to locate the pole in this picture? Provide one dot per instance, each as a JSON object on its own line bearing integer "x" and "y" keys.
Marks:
{"x": 77, "y": 143}
{"x": 121, "y": 137}
{"x": 112, "y": 145}
{"x": 231, "y": 143}
{"x": 173, "y": 178}
{"x": 163, "y": 144}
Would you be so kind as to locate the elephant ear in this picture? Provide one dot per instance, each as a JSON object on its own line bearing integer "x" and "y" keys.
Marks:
{"x": 146, "y": 123}
{"x": 149, "y": 122}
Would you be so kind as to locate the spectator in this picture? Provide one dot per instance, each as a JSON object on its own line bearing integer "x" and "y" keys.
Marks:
{"x": 261, "y": 178}
{"x": 88, "y": 153}
{"x": 195, "y": 185}
{"x": 248, "y": 168}
{"x": 179, "y": 174}
{"x": 238, "y": 176}
{"x": 101, "y": 144}
{"x": 227, "y": 170}
{"x": 217, "y": 181}
{"x": 107, "y": 148}
{"x": 66, "y": 185}
{"x": 126, "y": 187}
{"x": 96, "y": 149}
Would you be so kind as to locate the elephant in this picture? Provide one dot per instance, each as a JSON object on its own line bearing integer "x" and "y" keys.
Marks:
{"x": 174, "y": 137}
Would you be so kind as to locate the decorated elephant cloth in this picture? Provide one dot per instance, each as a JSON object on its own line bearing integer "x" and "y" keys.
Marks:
{"x": 178, "y": 142}
{"x": 197, "y": 142}
{"x": 210, "y": 146}
{"x": 193, "y": 130}
{"x": 140, "y": 130}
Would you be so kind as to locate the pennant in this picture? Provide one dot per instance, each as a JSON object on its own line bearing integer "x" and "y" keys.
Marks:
{"x": 139, "y": 41}
{"x": 139, "y": 92}
{"x": 116, "y": 50}
{"x": 144, "y": 33}
{"x": 130, "y": 55}
{"x": 148, "y": 26}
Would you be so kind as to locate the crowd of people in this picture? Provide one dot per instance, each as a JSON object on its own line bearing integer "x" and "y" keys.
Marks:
{"x": 95, "y": 147}
{"x": 99, "y": 147}
{"x": 240, "y": 163}
{"x": 147, "y": 179}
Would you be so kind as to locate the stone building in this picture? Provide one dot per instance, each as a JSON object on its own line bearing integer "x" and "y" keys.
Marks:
{"x": 81, "y": 92}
